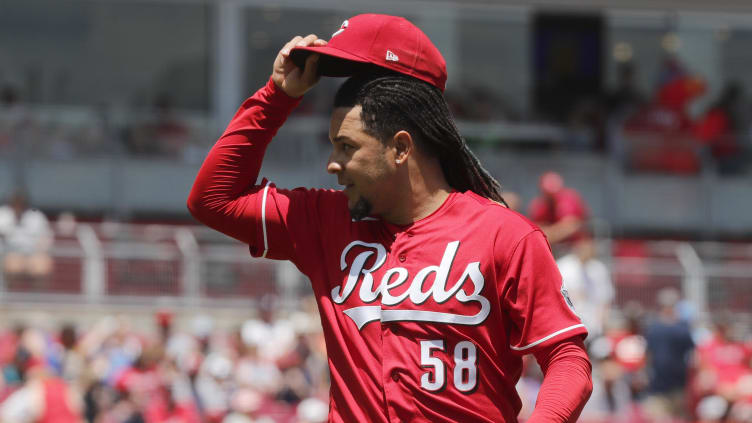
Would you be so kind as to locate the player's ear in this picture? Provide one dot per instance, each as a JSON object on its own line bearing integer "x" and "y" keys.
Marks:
{"x": 403, "y": 145}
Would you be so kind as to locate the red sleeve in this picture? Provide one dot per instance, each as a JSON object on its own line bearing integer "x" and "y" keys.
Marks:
{"x": 533, "y": 298}
{"x": 295, "y": 224}
{"x": 567, "y": 382}
{"x": 225, "y": 191}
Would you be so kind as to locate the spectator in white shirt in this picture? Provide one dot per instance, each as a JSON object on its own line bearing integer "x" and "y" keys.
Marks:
{"x": 25, "y": 240}
{"x": 587, "y": 281}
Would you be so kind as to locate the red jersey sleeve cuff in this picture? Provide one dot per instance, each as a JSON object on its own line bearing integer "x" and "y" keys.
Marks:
{"x": 279, "y": 97}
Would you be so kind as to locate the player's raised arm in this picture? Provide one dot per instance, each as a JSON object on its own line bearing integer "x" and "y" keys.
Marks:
{"x": 224, "y": 188}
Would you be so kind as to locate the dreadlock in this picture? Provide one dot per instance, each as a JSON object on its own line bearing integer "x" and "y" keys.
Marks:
{"x": 392, "y": 102}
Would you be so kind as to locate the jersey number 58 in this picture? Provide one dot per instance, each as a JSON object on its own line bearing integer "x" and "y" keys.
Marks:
{"x": 465, "y": 371}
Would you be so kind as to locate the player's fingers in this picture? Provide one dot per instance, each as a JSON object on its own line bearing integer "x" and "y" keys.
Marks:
{"x": 290, "y": 44}
{"x": 320, "y": 42}
{"x": 310, "y": 74}
{"x": 307, "y": 41}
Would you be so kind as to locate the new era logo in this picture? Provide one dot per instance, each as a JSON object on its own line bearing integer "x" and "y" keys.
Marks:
{"x": 391, "y": 57}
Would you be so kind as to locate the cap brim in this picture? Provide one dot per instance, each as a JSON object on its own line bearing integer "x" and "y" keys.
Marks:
{"x": 333, "y": 62}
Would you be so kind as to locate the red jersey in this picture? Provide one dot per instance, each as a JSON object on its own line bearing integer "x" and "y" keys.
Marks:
{"x": 56, "y": 403}
{"x": 729, "y": 359}
{"x": 423, "y": 323}
{"x": 566, "y": 203}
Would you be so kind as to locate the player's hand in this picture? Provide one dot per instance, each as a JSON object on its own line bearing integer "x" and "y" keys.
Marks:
{"x": 290, "y": 78}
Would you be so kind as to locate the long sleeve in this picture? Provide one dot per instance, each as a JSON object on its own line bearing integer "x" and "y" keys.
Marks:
{"x": 567, "y": 382}
{"x": 221, "y": 196}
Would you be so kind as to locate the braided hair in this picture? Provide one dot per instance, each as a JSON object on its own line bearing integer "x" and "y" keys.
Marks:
{"x": 392, "y": 102}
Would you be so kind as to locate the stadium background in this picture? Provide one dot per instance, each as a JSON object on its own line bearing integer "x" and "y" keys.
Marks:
{"x": 108, "y": 108}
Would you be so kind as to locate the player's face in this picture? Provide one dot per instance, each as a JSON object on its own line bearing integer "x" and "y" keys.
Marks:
{"x": 363, "y": 164}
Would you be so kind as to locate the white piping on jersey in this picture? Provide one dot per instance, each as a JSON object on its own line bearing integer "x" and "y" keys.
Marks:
{"x": 365, "y": 218}
{"x": 546, "y": 338}
{"x": 263, "y": 218}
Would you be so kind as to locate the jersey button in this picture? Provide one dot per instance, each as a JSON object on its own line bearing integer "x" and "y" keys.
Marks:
{"x": 395, "y": 376}
{"x": 402, "y": 257}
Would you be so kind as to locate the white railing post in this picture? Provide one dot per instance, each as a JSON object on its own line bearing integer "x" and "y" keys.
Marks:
{"x": 94, "y": 276}
{"x": 190, "y": 276}
{"x": 695, "y": 282}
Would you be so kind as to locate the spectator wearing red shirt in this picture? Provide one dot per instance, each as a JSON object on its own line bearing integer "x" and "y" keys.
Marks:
{"x": 659, "y": 135}
{"x": 724, "y": 367}
{"x": 559, "y": 211}
{"x": 718, "y": 129}
{"x": 43, "y": 398}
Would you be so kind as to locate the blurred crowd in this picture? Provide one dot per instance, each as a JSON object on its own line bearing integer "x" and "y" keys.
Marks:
{"x": 653, "y": 361}
{"x": 665, "y": 365}
{"x": 60, "y": 132}
{"x": 269, "y": 369}
{"x": 645, "y": 132}
{"x": 666, "y": 362}
{"x": 658, "y": 132}
{"x": 649, "y": 365}
{"x": 670, "y": 365}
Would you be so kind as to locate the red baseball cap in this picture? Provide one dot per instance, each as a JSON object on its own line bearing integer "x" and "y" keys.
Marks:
{"x": 391, "y": 42}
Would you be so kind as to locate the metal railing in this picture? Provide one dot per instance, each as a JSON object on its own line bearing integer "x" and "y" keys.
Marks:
{"x": 141, "y": 265}
{"x": 187, "y": 266}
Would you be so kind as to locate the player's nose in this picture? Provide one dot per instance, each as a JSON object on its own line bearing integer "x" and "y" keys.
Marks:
{"x": 333, "y": 166}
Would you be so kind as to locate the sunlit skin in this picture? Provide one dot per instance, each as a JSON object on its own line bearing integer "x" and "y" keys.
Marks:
{"x": 390, "y": 179}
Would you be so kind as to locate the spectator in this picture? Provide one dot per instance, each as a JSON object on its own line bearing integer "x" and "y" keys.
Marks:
{"x": 43, "y": 397}
{"x": 71, "y": 361}
{"x": 619, "y": 358}
{"x": 719, "y": 130}
{"x": 658, "y": 137}
{"x": 586, "y": 125}
{"x": 28, "y": 238}
{"x": 163, "y": 133}
{"x": 170, "y": 132}
{"x": 559, "y": 211}
{"x": 724, "y": 369}
{"x": 669, "y": 344}
{"x": 13, "y": 119}
{"x": 312, "y": 410}
{"x": 588, "y": 284}
{"x": 626, "y": 96}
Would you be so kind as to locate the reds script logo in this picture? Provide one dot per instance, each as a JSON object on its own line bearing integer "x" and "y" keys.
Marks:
{"x": 398, "y": 276}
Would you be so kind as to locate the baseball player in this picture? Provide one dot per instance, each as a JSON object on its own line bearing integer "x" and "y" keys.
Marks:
{"x": 430, "y": 290}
